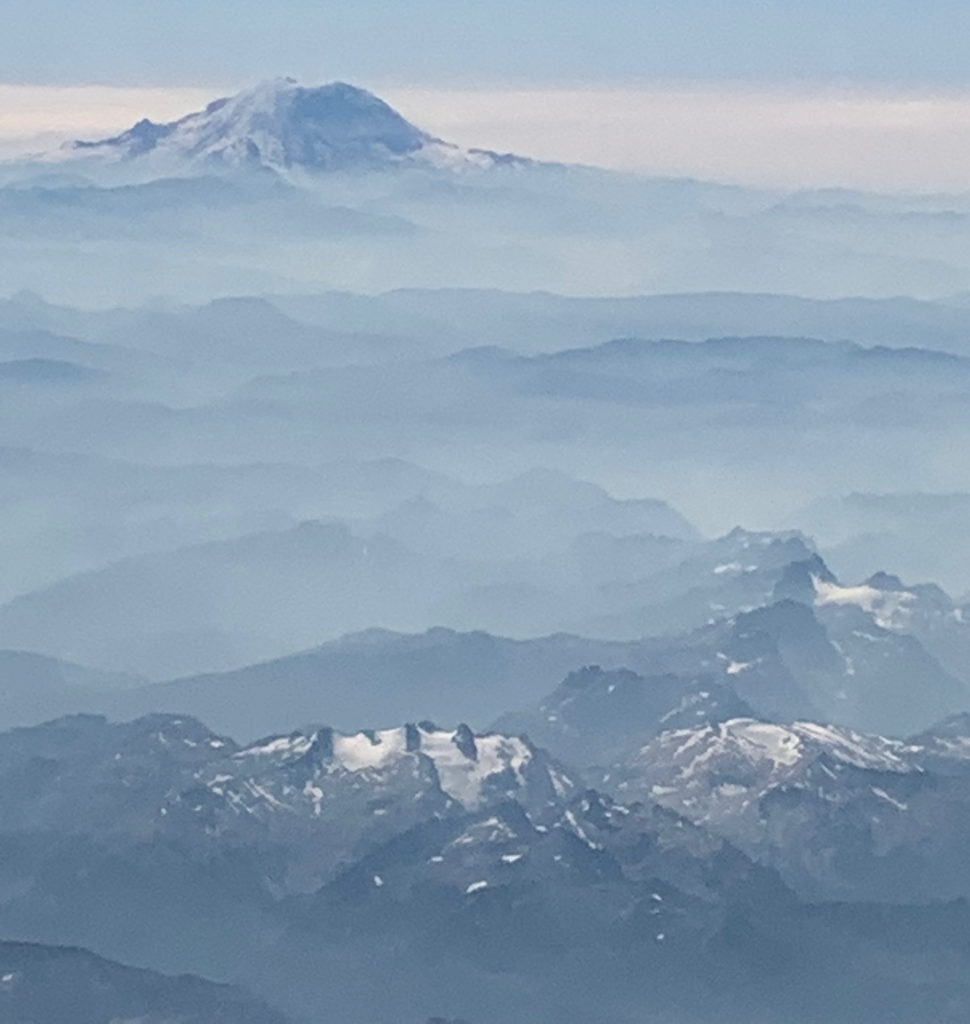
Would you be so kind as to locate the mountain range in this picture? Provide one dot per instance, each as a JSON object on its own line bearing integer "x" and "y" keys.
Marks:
{"x": 321, "y": 857}
{"x": 680, "y": 828}
{"x": 757, "y": 618}
{"x": 203, "y": 467}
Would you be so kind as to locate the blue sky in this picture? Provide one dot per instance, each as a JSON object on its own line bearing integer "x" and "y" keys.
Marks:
{"x": 907, "y": 42}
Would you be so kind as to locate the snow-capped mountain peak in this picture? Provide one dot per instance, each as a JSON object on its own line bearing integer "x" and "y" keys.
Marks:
{"x": 768, "y": 751}
{"x": 466, "y": 765}
{"x": 284, "y": 126}
{"x": 889, "y": 608}
{"x": 721, "y": 773}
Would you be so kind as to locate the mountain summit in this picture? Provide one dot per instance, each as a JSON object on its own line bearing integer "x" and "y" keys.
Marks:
{"x": 283, "y": 125}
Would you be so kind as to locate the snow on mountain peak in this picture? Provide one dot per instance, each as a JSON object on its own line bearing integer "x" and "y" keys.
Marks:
{"x": 720, "y": 774}
{"x": 281, "y": 125}
{"x": 464, "y": 763}
{"x": 767, "y": 751}
{"x": 462, "y": 766}
{"x": 890, "y": 609}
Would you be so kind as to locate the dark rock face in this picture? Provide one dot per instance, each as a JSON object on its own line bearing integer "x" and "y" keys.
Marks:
{"x": 597, "y": 715}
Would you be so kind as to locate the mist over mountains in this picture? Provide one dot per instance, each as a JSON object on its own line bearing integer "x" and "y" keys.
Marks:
{"x": 291, "y": 188}
{"x": 199, "y": 414}
{"x": 440, "y": 585}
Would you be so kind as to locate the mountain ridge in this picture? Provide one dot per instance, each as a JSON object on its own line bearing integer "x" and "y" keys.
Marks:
{"x": 60, "y": 984}
{"x": 324, "y": 860}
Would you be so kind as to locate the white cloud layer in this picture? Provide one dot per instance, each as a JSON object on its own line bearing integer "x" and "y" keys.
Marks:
{"x": 788, "y": 136}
